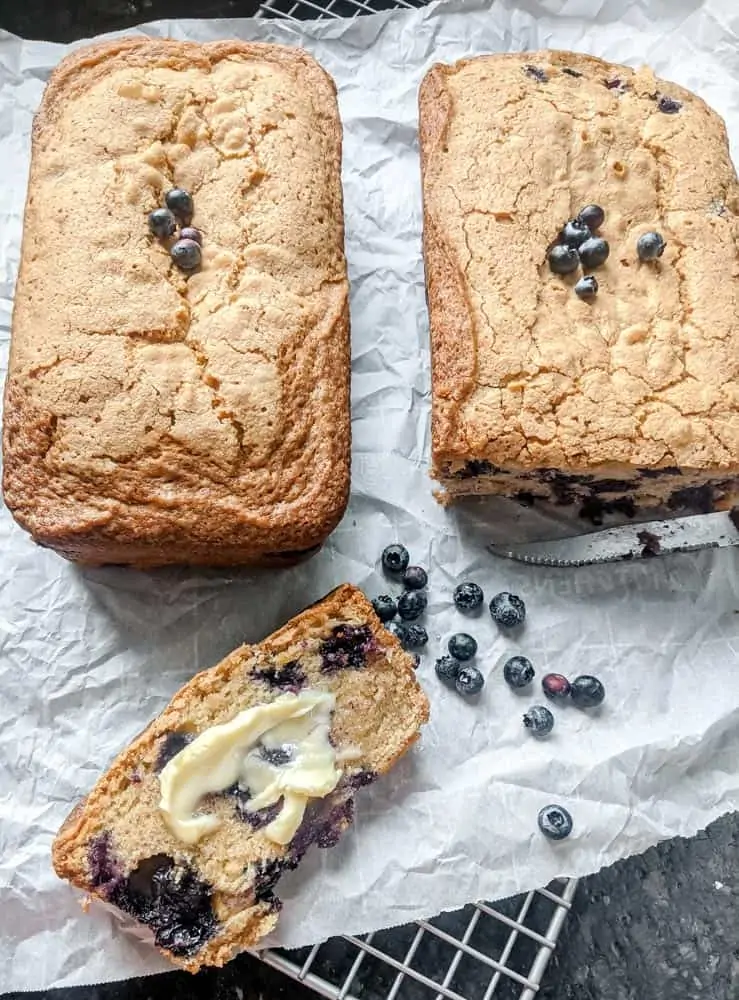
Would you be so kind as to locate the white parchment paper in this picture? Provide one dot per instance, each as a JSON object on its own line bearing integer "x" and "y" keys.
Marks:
{"x": 87, "y": 658}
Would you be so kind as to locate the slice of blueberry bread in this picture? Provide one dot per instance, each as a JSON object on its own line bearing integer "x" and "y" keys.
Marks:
{"x": 251, "y": 763}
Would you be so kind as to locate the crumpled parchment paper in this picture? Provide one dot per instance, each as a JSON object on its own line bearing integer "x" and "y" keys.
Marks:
{"x": 88, "y": 657}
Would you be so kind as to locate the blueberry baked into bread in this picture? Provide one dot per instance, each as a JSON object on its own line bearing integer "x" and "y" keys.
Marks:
{"x": 252, "y": 762}
{"x": 169, "y": 400}
{"x": 599, "y": 373}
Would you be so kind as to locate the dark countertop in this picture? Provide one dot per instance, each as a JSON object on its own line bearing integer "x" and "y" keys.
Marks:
{"x": 661, "y": 926}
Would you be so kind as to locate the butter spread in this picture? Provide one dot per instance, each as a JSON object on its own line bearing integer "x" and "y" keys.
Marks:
{"x": 280, "y": 750}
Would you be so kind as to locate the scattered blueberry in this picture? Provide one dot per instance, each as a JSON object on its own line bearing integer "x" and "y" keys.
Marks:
{"x": 462, "y": 646}
{"x": 592, "y": 216}
{"x": 574, "y": 233}
{"x": 555, "y": 822}
{"x": 587, "y": 287}
{"x": 468, "y": 596}
{"x": 587, "y": 691}
{"x": 395, "y": 559}
{"x": 469, "y": 680}
{"x": 415, "y": 636}
{"x": 668, "y": 106}
{"x": 536, "y": 73}
{"x": 555, "y": 686}
{"x": 518, "y": 672}
{"x": 385, "y": 607}
{"x": 399, "y": 630}
{"x": 563, "y": 260}
{"x": 180, "y": 203}
{"x": 191, "y": 233}
{"x": 539, "y": 720}
{"x": 186, "y": 254}
{"x": 447, "y": 669}
{"x": 650, "y": 246}
{"x": 415, "y": 578}
{"x": 162, "y": 223}
{"x": 594, "y": 252}
{"x": 508, "y": 610}
{"x": 411, "y": 605}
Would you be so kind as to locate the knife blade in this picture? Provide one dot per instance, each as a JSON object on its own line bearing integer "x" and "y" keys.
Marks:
{"x": 629, "y": 541}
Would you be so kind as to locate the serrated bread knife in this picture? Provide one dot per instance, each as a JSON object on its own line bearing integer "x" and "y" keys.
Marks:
{"x": 630, "y": 541}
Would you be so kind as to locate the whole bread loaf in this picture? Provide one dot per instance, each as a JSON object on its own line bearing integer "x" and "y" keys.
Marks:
{"x": 155, "y": 416}
{"x": 623, "y": 399}
{"x": 206, "y": 899}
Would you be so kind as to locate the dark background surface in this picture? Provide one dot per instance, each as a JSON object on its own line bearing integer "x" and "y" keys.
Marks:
{"x": 662, "y": 926}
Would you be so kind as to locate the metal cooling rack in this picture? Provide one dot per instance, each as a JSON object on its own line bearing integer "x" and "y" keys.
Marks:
{"x": 477, "y": 953}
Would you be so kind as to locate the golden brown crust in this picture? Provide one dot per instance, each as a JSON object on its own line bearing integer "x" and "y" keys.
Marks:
{"x": 525, "y": 375}
{"x": 152, "y": 418}
{"x": 379, "y": 709}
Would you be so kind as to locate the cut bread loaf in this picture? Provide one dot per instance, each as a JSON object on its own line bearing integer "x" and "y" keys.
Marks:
{"x": 623, "y": 400}
{"x": 208, "y": 897}
{"x": 155, "y": 416}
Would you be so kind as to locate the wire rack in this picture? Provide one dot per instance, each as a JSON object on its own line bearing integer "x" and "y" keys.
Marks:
{"x": 477, "y": 953}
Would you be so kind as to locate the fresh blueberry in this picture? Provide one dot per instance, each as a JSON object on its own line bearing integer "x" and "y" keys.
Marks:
{"x": 574, "y": 233}
{"x": 385, "y": 607}
{"x": 555, "y": 686}
{"x": 587, "y": 692}
{"x": 447, "y": 669}
{"x": 395, "y": 559}
{"x": 462, "y": 646}
{"x": 468, "y": 596}
{"x": 594, "y": 252}
{"x": 563, "y": 259}
{"x": 650, "y": 246}
{"x": 186, "y": 254}
{"x": 191, "y": 233}
{"x": 539, "y": 720}
{"x": 411, "y": 605}
{"x": 469, "y": 680}
{"x": 555, "y": 822}
{"x": 179, "y": 202}
{"x": 415, "y": 636}
{"x": 162, "y": 223}
{"x": 415, "y": 578}
{"x": 587, "y": 287}
{"x": 399, "y": 630}
{"x": 508, "y": 610}
{"x": 518, "y": 672}
{"x": 669, "y": 106}
{"x": 592, "y": 216}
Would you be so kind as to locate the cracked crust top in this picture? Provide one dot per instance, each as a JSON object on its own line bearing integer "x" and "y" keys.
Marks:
{"x": 153, "y": 417}
{"x": 525, "y": 374}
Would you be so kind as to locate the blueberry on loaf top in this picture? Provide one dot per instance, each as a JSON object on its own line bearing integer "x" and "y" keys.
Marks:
{"x": 181, "y": 397}
{"x": 252, "y": 763}
{"x": 542, "y": 388}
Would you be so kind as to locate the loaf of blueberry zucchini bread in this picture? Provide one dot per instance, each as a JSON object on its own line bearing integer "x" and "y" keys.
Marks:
{"x": 252, "y": 762}
{"x": 178, "y": 387}
{"x": 580, "y": 242}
